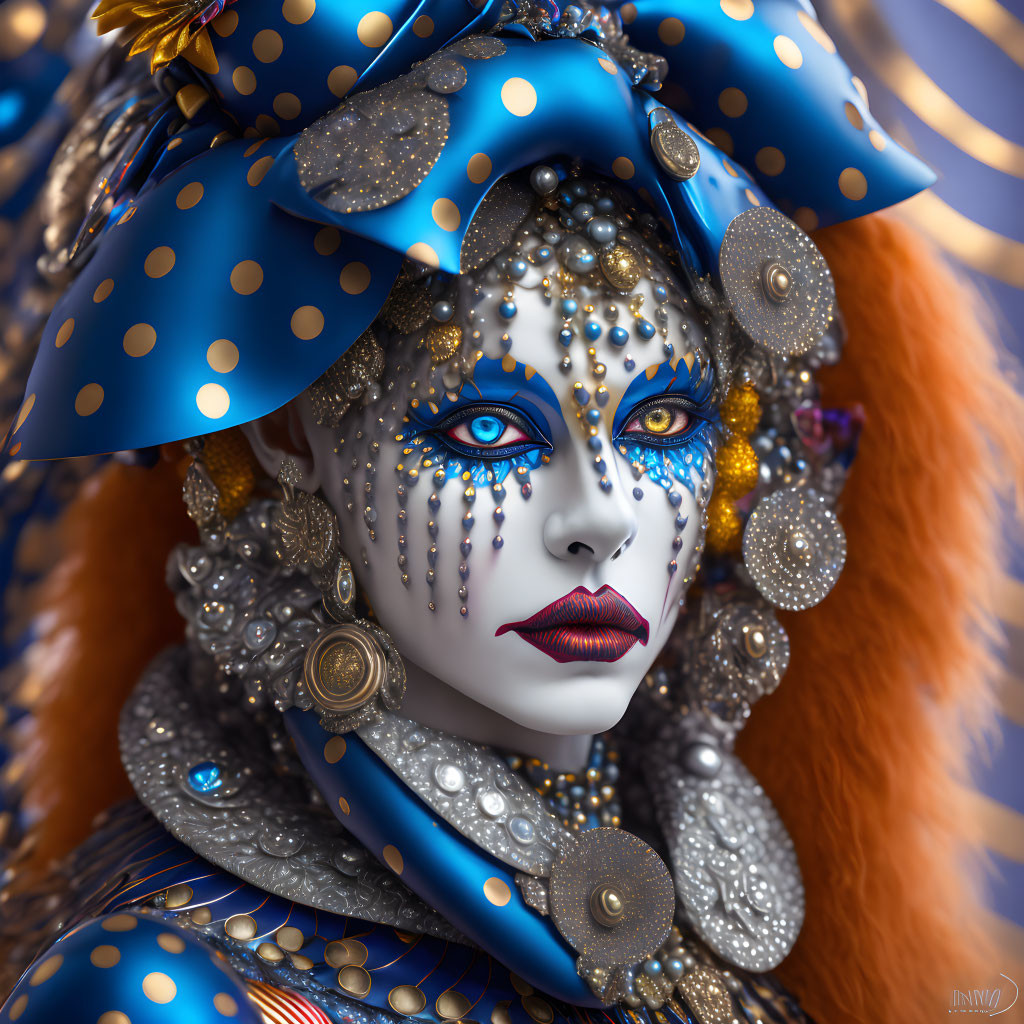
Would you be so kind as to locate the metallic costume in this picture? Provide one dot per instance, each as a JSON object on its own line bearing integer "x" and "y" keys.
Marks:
{"x": 300, "y": 851}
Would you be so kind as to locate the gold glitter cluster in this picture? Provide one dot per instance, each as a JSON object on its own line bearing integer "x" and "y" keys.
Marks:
{"x": 229, "y": 462}
{"x": 162, "y": 28}
{"x": 736, "y": 468}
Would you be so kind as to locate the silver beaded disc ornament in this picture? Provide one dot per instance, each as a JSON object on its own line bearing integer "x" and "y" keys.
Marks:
{"x": 794, "y": 548}
{"x": 777, "y": 283}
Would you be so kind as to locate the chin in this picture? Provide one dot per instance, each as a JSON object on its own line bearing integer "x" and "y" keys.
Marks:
{"x": 582, "y": 705}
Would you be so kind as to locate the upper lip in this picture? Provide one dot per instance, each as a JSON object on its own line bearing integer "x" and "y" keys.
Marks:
{"x": 606, "y": 608}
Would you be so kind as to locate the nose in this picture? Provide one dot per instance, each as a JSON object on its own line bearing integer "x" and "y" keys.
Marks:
{"x": 589, "y": 523}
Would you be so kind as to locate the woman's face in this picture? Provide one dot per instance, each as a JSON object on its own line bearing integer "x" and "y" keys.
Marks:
{"x": 526, "y": 535}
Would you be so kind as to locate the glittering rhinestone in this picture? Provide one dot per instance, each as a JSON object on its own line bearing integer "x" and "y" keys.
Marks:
{"x": 204, "y": 776}
{"x": 521, "y": 830}
{"x": 491, "y": 802}
{"x": 449, "y": 777}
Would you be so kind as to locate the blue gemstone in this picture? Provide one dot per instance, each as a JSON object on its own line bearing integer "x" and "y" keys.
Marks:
{"x": 486, "y": 429}
{"x": 594, "y": 416}
{"x": 619, "y": 336}
{"x": 569, "y": 307}
{"x": 517, "y": 268}
{"x": 497, "y": 542}
{"x": 565, "y": 336}
{"x": 637, "y": 493}
{"x": 592, "y": 329}
{"x": 660, "y": 292}
{"x": 645, "y": 328}
{"x": 205, "y": 776}
{"x": 507, "y": 310}
{"x": 629, "y": 364}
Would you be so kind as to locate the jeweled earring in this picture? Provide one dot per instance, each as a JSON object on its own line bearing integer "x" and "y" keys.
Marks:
{"x": 352, "y": 669}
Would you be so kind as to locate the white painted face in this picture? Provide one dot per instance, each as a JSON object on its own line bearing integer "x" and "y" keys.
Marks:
{"x": 544, "y": 575}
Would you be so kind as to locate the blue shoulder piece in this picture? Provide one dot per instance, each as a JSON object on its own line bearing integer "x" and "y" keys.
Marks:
{"x": 128, "y": 967}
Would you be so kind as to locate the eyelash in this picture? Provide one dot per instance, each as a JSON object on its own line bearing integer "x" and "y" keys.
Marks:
{"x": 685, "y": 420}
{"x": 528, "y": 438}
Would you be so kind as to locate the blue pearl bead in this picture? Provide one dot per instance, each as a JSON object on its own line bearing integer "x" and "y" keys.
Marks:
{"x": 507, "y": 310}
{"x": 543, "y": 254}
{"x": 569, "y": 307}
{"x": 605, "y": 205}
{"x": 660, "y": 292}
{"x": 594, "y": 443}
{"x": 637, "y": 493}
{"x": 674, "y": 969}
{"x": 645, "y": 328}
{"x": 606, "y": 484}
{"x": 582, "y": 395}
{"x": 565, "y": 336}
{"x": 583, "y": 212}
{"x": 602, "y": 230}
{"x": 205, "y": 776}
{"x": 675, "y": 499}
{"x": 629, "y": 364}
{"x": 593, "y": 416}
{"x": 592, "y": 329}
{"x": 619, "y": 336}
{"x": 517, "y": 268}
{"x": 652, "y": 968}
{"x": 497, "y": 542}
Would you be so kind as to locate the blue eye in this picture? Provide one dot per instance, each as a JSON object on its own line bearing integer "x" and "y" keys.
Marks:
{"x": 486, "y": 429}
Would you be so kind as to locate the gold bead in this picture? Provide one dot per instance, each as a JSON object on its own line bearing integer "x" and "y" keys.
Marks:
{"x": 741, "y": 410}
{"x": 724, "y": 525}
{"x": 229, "y": 461}
{"x": 621, "y": 268}
{"x": 736, "y": 468}
{"x": 443, "y": 340}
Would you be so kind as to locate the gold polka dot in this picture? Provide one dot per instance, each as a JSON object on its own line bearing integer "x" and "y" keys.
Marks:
{"x": 26, "y": 408}
{"x": 120, "y": 923}
{"x": 18, "y": 1006}
{"x": 722, "y": 139}
{"x": 300, "y": 962}
{"x": 877, "y": 139}
{"x": 345, "y": 952}
{"x": 788, "y": 52}
{"x": 816, "y": 32}
{"x": 213, "y": 401}
{"x": 806, "y": 218}
{"x": 732, "y": 102}
{"x": 628, "y": 13}
{"x": 170, "y": 942}
{"x": 497, "y": 892}
{"x": 334, "y": 749}
{"x": 225, "y": 1005}
{"x": 178, "y": 895}
{"x": 266, "y": 125}
{"x": 89, "y": 399}
{"x": 861, "y": 88}
{"x": 770, "y": 161}
{"x": 287, "y": 106}
{"x": 307, "y": 322}
{"x": 327, "y": 241}
{"x": 609, "y": 65}
{"x": 105, "y": 956}
{"x": 341, "y": 79}
{"x": 201, "y": 915}
{"x": 478, "y": 170}
{"x": 298, "y": 12}
{"x": 46, "y": 970}
{"x": 114, "y": 1017}
{"x": 343, "y": 805}
{"x": 175, "y": 143}
{"x": 267, "y": 46}
{"x": 374, "y": 29}
{"x": 519, "y": 97}
{"x": 225, "y": 23}
{"x": 853, "y": 115}
{"x": 258, "y": 170}
{"x": 249, "y": 150}
{"x": 290, "y": 938}
{"x": 452, "y": 1005}
{"x": 738, "y": 10}
{"x": 751, "y": 198}
{"x": 622, "y": 167}
{"x": 22, "y": 23}
{"x": 222, "y": 355}
{"x": 159, "y": 262}
{"x": 354, "y": 980}
{"x": 243, "y": 80}
{"x": 423, "y": 26}
{"x": 241, "y": 927}
{"x": 423, "y": 253}
{"x": 407, "y": 1000}
{"x": 270, "y": 951}
{"x": 354, "y": 278}
{"x": 671, "y": 31}
{"x": 853, "y": 184}
{"x": 139, "y": 340}
{"x": 103, "y": 290}
{"x": 446, "y": 214}
{"x": 64, "y": 332}
{"x": 393, "y": 858}
{"x": 246, "y": 277}
{"x": 158, "y": 987}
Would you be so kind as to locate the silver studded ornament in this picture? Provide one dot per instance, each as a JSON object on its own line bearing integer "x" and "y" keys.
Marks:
{"x": 794, "y": 548}
{"x": 777, "y": 283}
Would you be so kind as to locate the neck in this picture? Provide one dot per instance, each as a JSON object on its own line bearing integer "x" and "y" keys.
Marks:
{"x": 437, "y": 705}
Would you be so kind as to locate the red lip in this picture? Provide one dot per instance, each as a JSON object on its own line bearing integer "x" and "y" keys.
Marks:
{"x": 584, "y": 627}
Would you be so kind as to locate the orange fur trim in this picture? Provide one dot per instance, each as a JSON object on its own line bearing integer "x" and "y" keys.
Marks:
{"x": 102, "y": 614}
{"x": 864, "y": 745}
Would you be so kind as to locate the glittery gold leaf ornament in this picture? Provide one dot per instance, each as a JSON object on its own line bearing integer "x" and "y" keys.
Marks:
{"x": 736, "y": 468}
{"x": 230, "y": 464}
{"x": 306, "y": 524}
{"x": 163, "y": 28}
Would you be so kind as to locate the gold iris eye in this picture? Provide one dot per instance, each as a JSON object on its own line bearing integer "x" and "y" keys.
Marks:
{"x": 657, "y": 420}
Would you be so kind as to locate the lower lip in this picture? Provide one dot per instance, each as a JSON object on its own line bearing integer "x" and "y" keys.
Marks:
{"x": 581, "y": 642}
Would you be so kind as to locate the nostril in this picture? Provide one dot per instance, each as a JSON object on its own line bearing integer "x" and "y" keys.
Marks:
{"x": 577, "y": 546}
